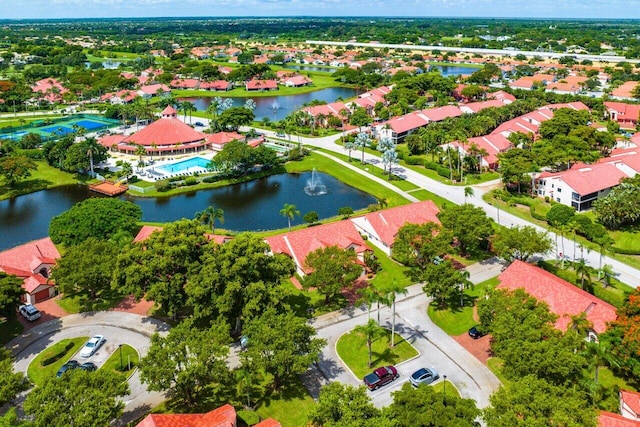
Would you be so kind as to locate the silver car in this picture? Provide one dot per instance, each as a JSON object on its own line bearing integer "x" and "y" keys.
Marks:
{"x": 423, "y": 376}
{"x": 29, "y": 312}
{"x": 92, "y": 346}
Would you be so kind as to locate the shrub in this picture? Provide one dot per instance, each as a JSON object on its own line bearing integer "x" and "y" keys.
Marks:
{"x": 190, "y": 181}
{"x": 413, "y": 160}
{"x": 59, "y": 355}
{"x": 249, "y": 417}
{"x": 210, "y": 179}
{"x": 162, "y": 185}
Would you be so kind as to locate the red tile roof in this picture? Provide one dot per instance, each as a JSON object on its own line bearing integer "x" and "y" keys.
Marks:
{"x": 387, "y": 222}
{"x": 167, "y": 131}
{"x": 563, "y": 298}
{"x": 626, "y": 112}
{"x": 441, "y": 113}
{"x": 408, "y": 122}
{"x": 261, "y": 85}
{"x": 269, "y": 422}
{"x": 632, "y": 400}
{"x": 24, "y": 261}
{"x": 624, "y": 91}
{"x": 474, "y": 107}
{"x": 147, "y": 230}
{"x": 591, "y": 178}
{"x": 609, "y": 419}
{"x": 300, "y": 243}
{"x": 224, "y": 416}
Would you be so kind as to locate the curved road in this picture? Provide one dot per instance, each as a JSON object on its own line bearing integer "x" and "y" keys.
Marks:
{"x": 117, "y": 327}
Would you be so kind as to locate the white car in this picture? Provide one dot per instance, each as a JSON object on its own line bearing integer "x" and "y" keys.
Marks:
{"x": 29, "y": 312}
{"x": 92, "y": 346}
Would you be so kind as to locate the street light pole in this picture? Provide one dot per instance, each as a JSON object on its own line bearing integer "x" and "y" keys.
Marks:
{"x": 120, "y": 350}
{"x": 444, "y": 389}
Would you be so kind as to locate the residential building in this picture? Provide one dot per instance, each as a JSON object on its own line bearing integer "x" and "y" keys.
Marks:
{"x": 224, "y": 416}
{"x": 563, "y": 298}
{"x": 32, "y": 263}
{"x": 626, "y": 115}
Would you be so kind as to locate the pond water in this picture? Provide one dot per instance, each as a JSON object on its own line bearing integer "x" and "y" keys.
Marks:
{"x": 278, "y": 107}
{"x": 447, "y": 70}
{"x": 250, "y": 206}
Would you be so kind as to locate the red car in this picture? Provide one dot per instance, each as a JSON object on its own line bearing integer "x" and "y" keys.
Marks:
{"x": 381, "y": 376}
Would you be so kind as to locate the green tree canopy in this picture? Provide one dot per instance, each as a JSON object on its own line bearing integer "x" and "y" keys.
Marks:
{"x": 341, "y": 405}
{"x": 96, "y": 217}
{"x": 234, "y": 117}
{"x": 520, "y": 243}
{"x": 560, "y": 215}
{"x": 469, "y": 225}
{"x": 86, "y": 267}
{"x": 417, "y": 245}
{"x": 11, "y": 383}
{"x": 80, "y": 398}
{"x": 10, "y": 292}
{"x": 533, "y": 402}
{"x": 443, "y": 282}
{"x": 189, "y": 363}
{"x": 623, "y": 337}
{"x": 239, "y": 280}
{"x": 160, "y": 267}
{"x": 333, "y": 270}
{"x": 423, "y": 406}
{"x": 15, "y": 168}
{"x": 280, "y": 344}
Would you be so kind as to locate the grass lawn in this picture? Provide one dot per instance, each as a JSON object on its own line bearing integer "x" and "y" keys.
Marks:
{"x": 629, "y": 240}
{"x": 129, "y": 354}
{"x": 390, "y": 271}
{"x": 495, "y": 365}
{"x": 289, "y": 406}
{"x": 44, "y": 177}
{"x": 456, "y": 320}
{"x": 77, "y": 303}
{"x": 9, "y": 329}
{"x": 449, "y": 388}
{"x": 38, "y": 373}
{"x": 304, "y": 301}
{"x": 352, "y": 349}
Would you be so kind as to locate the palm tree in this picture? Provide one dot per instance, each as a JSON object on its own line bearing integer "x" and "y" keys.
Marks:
{"x": 140, "y": 151}
{"x": 368, "y": 296}
{"x": 92, "y": 148}
{"x": 371, "y": 331}
{"x": 362, "y": 140}
{"x": 465, "y": 283}
{"x": 392, "y": 292}
{"x": 383, "y": 202}
{"x": 289, "y": 211}
{"x": 468, "y": 192}
{"x": 209, "y": 216}
{"x": 582, "y": 269}
{"x": 606, "y": 272}
{"x": 599, "y": 355}
{"x": 349, "y": 145}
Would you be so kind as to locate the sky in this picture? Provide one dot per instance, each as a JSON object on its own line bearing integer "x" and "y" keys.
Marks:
{"x": 38, "y": 9}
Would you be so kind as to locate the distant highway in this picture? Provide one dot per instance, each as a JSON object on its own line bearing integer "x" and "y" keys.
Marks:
{"x": 482, "y": 51}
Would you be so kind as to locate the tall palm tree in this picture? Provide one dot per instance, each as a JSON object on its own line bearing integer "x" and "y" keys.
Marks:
{"x": 92, "y": 148}
{"x": 582, "y": 269}
{"x": 209, "y": 216}
{"x": 349, "y": 145}
{"x": 289, "y": 211}
{"x": 371, "y": 331}
{"x": 468, "y": 192}
{"x": 368, "y": 296}
{"x": 393, "y": 291}
{"x": 140, "y": 151}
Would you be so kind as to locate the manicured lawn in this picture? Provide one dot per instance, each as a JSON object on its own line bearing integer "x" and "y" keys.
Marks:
{"x": 9, "y": 329}
{"x": 38, "y": 373}
{"x": 628, "y": 240}
{"x": 456, "y": 320}
{"x": 44, "y": 177}
{"x": 289, "y": 406}
{"x": 449, "y": 388}
{"x": 390, "y": 271}
{"x": 305, "y": 302}
{"x": 495, "y": 365}
{"x": 77, "y": 303}
{"x": 129, "y": 355}
{"x": 352, "y": 349}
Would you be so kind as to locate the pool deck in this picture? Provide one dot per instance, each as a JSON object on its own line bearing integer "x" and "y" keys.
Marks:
{"x": 109, "y": 188}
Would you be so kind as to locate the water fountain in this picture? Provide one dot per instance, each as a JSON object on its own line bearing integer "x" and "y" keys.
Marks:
{"x": 275, "y": 107}
{"x": 314, "y": 186}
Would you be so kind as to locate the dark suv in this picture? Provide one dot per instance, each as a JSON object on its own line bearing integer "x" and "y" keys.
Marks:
{"x": 381, "y": 376}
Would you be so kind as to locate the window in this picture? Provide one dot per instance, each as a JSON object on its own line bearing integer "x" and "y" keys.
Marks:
{"x": 559, "y": 190}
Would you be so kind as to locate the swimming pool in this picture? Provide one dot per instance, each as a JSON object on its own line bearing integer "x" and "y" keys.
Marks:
{"x": 185, "y": 165}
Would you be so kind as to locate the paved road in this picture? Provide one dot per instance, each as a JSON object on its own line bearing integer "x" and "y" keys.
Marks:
{"x": 625, "y": 273}
{"x": 117, "y": 327}
{"x": 472, "y": 379}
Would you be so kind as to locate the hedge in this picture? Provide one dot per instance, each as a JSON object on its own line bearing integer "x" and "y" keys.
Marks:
{"x": 53, "y": 359}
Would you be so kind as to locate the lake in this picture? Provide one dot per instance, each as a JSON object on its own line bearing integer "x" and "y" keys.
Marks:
{"x": 250, "y": 206}
{"x": 278, "y": 107}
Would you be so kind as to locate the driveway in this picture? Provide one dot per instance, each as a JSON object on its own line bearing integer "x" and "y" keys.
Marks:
{"x": 472, "y": 379}
{"x": 117, "y": 327}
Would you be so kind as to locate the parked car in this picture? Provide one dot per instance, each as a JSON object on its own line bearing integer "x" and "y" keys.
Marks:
{"x": 476, "y": 333}
{"x": 29, "y": 312}
{"x": 380, "y": 377}
{"x": 423, "y": 376}
{"x": 199, "y": 124}
{"x": 71, "y": 364}
{"x": 88, "y": 366}
{"x": 280, "y": 135}
{"x": 92, "y": 346}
